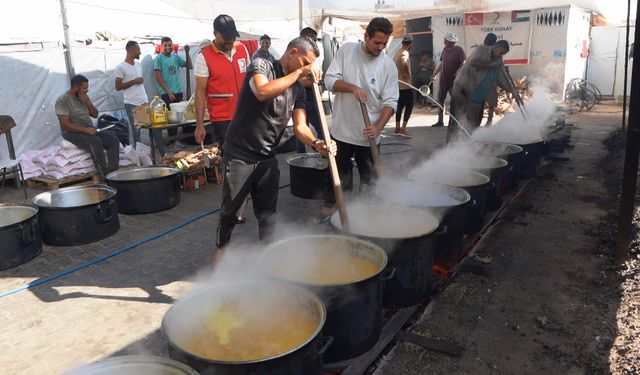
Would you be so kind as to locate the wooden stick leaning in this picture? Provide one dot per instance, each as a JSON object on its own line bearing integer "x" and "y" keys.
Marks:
{"x": 375, "y": 155}
{"x": 333, "y": 167}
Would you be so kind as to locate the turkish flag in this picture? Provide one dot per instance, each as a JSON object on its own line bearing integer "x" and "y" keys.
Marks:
{"x": 473, "y": 19}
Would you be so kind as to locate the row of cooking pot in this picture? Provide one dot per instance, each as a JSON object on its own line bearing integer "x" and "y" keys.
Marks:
{"x": 322, "y": 302}
{"x": 397, "y": 251}
{"x": 84, "y": 214}
{"x": 343, "y": 316}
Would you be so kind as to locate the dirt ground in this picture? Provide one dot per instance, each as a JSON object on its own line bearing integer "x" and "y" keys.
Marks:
{"x": 553, "y": 301}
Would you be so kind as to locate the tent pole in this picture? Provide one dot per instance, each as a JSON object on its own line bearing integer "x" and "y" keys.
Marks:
{"x": 626, "y": 67}
{"x": 630, "y": 174}
{"x": 67, "y": 41}
{"x": 299, "y": 15}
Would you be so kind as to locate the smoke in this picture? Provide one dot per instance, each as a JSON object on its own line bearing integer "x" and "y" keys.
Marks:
{"x": 516, "y": 129}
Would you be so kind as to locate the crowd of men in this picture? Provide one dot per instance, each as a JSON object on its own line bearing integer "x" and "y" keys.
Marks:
{"x": 251, "y": 98}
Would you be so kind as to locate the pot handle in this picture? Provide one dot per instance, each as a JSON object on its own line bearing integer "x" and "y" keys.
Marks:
{"x": 442, "y": 230}
{"x": 104, "y": 214}
{"x": 325, "y": 343}
{"x": 177, "y": 182}
{"x": 388, "y": 274}
{"x": 27, "y": 233}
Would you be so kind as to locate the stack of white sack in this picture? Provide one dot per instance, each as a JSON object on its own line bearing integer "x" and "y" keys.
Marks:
{"x": 59, "y": 162}
{"x": 139, "y": 156}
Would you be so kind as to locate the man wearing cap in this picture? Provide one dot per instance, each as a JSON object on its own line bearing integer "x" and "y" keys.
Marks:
{"x": 263, "y": 51}
{"x": 405, "y": 100}
{"x": 220, "y": 69}
{"x": 451, "y": 60}
{"x": 477, "y": 79}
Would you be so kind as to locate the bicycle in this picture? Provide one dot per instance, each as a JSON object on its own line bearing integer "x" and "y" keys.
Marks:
{"x": 584, "y": 93}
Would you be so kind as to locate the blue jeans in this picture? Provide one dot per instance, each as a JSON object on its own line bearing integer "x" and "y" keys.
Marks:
{"x": 135, "y": 131}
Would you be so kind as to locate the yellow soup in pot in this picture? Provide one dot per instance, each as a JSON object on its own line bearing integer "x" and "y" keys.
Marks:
{"x": 324, "y": 267}
{"x": 239, "y": 333}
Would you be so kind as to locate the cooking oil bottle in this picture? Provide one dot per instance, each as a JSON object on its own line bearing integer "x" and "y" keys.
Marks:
{"x": 158, "y": 112}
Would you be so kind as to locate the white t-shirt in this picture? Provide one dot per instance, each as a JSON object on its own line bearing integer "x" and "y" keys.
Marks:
{"x": 135, "y": 94}
{"x": 377, "y": 76}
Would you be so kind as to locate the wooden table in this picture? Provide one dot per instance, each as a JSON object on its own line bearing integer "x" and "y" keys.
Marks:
{"x": 153, "y": 130}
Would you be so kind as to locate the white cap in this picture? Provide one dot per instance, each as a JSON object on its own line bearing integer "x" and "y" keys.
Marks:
{"x": 451, "y": 37}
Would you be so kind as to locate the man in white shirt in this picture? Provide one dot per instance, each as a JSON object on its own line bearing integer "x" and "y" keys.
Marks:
{"x": 360, "y": 73}
{"x": 129, "y": 78}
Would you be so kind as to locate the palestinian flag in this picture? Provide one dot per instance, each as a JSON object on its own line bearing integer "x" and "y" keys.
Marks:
{"x": 520, "y": 16}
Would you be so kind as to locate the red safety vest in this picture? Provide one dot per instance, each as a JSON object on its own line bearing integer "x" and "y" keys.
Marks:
{"x": 225, "y": 80}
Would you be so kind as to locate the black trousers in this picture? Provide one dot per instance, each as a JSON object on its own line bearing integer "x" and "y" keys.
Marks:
{"x": 241, "y": 179}
{"x": 364, "y": 162}
{"x": 167, "y": 101}
{"x": 405, "y": 102}
{"x": 467, "y": 112}
{"x": 219, "y": 129}
{"x": 96, "y": 145}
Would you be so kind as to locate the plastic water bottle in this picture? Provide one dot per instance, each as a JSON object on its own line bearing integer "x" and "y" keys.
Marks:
{"x": 158, "y": 112}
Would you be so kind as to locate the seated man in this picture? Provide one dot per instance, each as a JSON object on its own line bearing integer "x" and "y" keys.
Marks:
{"x": 74, "y": 110}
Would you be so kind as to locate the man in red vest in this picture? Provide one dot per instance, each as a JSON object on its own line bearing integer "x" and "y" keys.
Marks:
{"x": 220, "y": 70}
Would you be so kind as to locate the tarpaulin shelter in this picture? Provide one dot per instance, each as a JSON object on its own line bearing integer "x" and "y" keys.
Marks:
{"x": 32, "y": 55}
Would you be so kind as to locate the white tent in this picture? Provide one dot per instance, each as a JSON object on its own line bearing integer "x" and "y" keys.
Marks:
{"x": 605, "y": 68}
{"x": 32, "y": 63}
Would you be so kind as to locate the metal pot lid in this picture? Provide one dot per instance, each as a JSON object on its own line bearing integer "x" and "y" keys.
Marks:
{"x": 135, "y": 365}
{"x": 14, "y": 214}
{"x": 422, "y": 194}
{"x": 311, "y": 161}
{"x": 75, "y": 196}
{"x": 294, "y": 258}
{"x": 193, "y": 308}
{"x": 142, "y": 174}
{"x": 386, "y": 220}
{"x": 449, "y": 175}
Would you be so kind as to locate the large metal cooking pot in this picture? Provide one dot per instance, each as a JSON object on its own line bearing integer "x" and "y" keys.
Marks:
{"x": 19, "y": 234}
{"x": 407, "y": 234}
{"x": 446, "y": 202}
{"x": 513, "y": 154}
{"x": 533, "y": 146}
{"x": 77, "y": 215}
{"x": 185, "y": 322}
{"x": 134, "y": 365}
{"x": 495, "y": 168}
{"x": 354, "y": 303}
{"x": 145, "y": 190}
{"x": 475, "y": 183}
{"x": 308, "y": 174}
